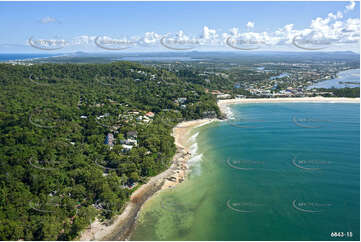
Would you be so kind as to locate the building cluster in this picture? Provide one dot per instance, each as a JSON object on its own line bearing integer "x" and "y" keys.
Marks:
{"x": 181, "y": 102}
{"x": 131, "y": 136}
{"x": 127, "y": 144}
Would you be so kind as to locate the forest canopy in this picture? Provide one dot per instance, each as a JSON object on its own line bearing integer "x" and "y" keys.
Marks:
{"x": 58, "y": 170}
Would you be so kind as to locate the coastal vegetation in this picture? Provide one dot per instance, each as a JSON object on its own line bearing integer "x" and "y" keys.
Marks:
{"x": 343, "y": 92}
{"x": 58, "y": 169}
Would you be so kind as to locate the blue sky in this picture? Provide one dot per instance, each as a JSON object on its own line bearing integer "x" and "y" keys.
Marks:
{"x": 83, "y": 21}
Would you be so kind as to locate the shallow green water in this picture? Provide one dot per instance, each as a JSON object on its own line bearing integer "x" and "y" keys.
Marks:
{"x": 286, "y": 171}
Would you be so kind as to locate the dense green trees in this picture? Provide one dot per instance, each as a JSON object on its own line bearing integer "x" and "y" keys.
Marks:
{"x": 344, "y": 92}
{"x": 56, "y": 173}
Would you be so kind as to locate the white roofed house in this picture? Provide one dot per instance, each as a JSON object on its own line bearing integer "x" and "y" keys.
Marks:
{"x": 181, "y": 100}
{"x": 129, "y": 142}
{"x": 126, "y": 147}
{"x": 224, "y": 96}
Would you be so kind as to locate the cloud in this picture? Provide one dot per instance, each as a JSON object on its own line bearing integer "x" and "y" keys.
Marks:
{"x": 83, "y": 40}
{"x": 333, "y": 29}
{"x": 151, "y": 37}
{"x": 48, "y": 19}
{"x": 250, "y": 25}
{"x": 209, "y": 37}
{"x": 351, "y": 6}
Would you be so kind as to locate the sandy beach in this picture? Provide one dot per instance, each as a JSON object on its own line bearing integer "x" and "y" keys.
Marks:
{"x": 123, "y": 224}
{"x": 223, "y": 104}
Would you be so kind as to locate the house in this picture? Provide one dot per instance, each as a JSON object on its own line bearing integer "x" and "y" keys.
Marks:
{"x": 109, "y": 140}
{"x": 224, "y": 96}
{"x": 127, "y": 147}
{"x": 181, "y": 100}
{"x": 150, "y": 114}
{"x": 133, "y": 112}
{"x": 146, "y": 119}
{"x": 240, "y": 96}
{"x": 129, "y": 142}
{"x": 216, "y": 92}
{"x": 132, "y": 134}
{"x": 103, "y": 116}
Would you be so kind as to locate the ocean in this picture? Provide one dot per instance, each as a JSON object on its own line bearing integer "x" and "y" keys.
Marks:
{"x": 13, "y": 57}
{"x": 278, "y": 171}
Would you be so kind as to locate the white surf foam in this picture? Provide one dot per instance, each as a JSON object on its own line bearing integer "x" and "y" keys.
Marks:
{"x": 195, "y": 159}
{"x": 205, "y": 123}
{"x": 193, "y": 137}
{"x": 193, "y": 149}
{"x": 195, "y": 164}
{"x": 229, "y": 113}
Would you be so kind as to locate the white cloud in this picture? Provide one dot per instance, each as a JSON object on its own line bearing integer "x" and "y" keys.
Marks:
{"x": 150, "y": 38}
{"x": 250, "y": 25}
{"x": 333, "y": 29}
{"x": 48, "y": 19}
{"x": 209, "y": 35}
{"x": 351, "y": 6}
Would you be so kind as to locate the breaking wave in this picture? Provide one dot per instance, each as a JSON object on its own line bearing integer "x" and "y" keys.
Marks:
{"x": 193, "y": 138}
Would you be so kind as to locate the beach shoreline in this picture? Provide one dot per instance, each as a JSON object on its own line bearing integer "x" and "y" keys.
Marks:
{"x": 224, "y": 104}
{"x": 124, "y": 223}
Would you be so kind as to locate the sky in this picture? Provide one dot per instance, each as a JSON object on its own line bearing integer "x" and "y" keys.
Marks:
{"x": 40, "y": 27}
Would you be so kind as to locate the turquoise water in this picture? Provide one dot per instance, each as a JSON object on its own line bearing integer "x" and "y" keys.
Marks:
{"x": 287, "y": 171}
